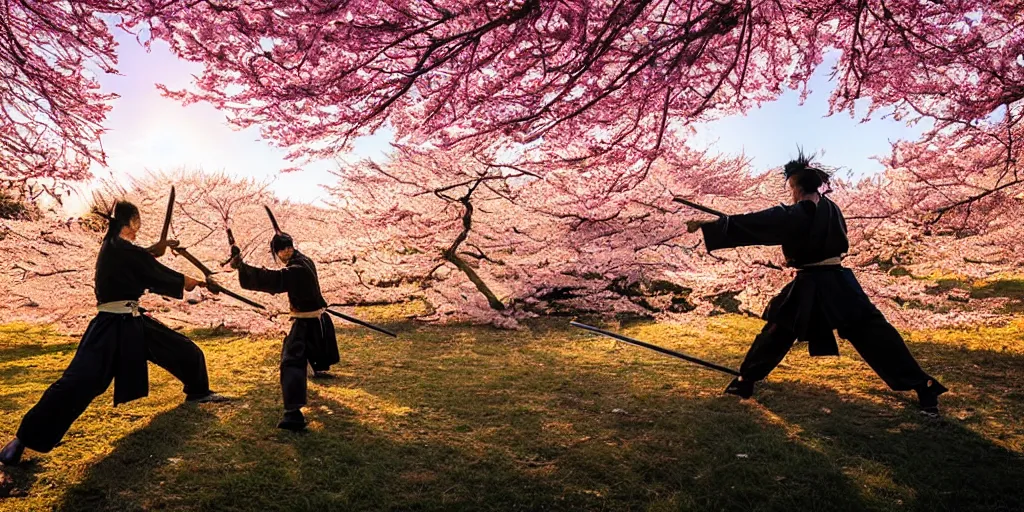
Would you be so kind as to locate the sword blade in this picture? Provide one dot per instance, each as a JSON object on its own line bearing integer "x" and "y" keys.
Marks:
{"x": 212, "y": 285}
{"x": 167, "y": 216}
{"x": 700, "y": 207}
{"x": 217, "y": 288}
{"x": 656, "y": 348}
{"x": 368, "y": 325}
{"x": 273, "y": 220}
{"x": 181, "y": 251}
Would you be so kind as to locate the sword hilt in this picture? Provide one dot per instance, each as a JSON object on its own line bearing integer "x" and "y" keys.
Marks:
{"x": 235, "y": 252}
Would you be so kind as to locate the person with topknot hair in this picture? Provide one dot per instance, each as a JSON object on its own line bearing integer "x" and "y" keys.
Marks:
{"x": 823, "y": 296}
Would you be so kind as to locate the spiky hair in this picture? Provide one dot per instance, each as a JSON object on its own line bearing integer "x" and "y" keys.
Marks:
{"x": 803, "y": 162}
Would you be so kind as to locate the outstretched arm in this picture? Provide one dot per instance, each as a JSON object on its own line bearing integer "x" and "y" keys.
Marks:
{"x": 766, "y": 227}
{"x": 261, "y": 279}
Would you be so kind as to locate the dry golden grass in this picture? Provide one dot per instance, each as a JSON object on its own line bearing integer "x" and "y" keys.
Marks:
{"x": 473, "y": 418}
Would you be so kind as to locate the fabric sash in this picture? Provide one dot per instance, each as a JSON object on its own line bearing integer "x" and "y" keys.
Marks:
{"x": 830, "y": 262}
{"x": 120, "y": 307}
{"x": 307, "y": 314}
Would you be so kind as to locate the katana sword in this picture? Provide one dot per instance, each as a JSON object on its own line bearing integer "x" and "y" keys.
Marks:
{"x": 700, "y": 207}
{"x": 656, "y": 348}
{"x": 355, "y": 320}
{"x": 167, "y": 223}
{"x": 273, "y": 221}
{"x": 277, "y": 230}
{"x": 210, "y": 283}
{"x": 712, "y": 211}
{"x": 167, "y": 216}
{"x": 207, "y": 273}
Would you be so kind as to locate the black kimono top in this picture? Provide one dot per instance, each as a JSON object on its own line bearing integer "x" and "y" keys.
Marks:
{"x": 820, "y": 298}
{"x": 807, "y": 232}
{"x": 124, "y": 271}
{"x": 298, "y": 279}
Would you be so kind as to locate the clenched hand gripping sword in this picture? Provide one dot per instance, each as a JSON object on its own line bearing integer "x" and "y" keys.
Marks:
{"x": 277, "y": 230}
{"x": 207, "y": 273}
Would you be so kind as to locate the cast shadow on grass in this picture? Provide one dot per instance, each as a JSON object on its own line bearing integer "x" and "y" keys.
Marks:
{"x": 124, "y": 479}
{"x": 684, "y": 460}
{"x": 899, "y": 459}
{"x": 18, "y": 479}
{"x": 483, "y": 431}
{"x": 924, "y": 464}
{"x": 8, "y": 405}
{"x": 347, "y": 465}
{"x": 14, "y": 353}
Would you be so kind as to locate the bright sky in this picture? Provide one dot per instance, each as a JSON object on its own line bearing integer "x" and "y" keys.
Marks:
{"x": 148, "y": 131}
{"x": 770, "y": 134}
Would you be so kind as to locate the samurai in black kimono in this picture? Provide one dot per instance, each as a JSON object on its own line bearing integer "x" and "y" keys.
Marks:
{"x": 824, "y": 296}
{"x": 118, "y": 342}
{"x": 311, "y": 340}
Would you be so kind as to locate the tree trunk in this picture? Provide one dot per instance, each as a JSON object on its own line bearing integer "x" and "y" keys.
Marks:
{"x": 480, "y": 284}
{"x": 451, "y": 253}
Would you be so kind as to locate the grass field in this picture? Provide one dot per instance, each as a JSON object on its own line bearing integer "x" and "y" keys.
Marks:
{"x": 548, "y": 418}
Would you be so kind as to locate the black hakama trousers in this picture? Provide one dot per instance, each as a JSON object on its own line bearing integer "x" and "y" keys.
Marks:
{"x": 311, "y": 341}
{"x": 101, "y": 356}
{"x": 818, "y": 301}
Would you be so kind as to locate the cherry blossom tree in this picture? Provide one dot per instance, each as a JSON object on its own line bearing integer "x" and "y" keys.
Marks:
{"x": 585, "y": 77}
{"x": 566, "y": 80}
{"x": 541, "y": 142}
{"x": 445, "y": 223}
{"x": 579, "y": 78}
{"x": 53, "y": 110}
{"x": 530, "y": 245}
{"x": 614, "y": 83}
{"x": 494, "y": 243}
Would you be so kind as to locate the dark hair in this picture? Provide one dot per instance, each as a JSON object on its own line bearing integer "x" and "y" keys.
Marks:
{"x": 809, "y": 177}
{"x": 121, "y": 215}
{"x": 279, "y": 242}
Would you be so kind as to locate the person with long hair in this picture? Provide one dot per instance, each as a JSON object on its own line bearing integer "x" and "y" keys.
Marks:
{"x": 119, "y": 340}
{"x": 823, "y": 296}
